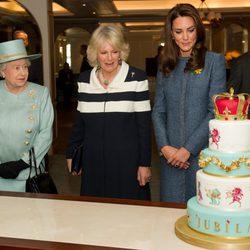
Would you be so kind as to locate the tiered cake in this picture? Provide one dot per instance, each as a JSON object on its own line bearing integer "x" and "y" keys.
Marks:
{"x": 222, "y": 204}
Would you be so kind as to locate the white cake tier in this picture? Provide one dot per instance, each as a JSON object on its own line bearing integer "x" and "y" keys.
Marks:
{"x": 231, "y": 194}
{"x": 229, "y": 136}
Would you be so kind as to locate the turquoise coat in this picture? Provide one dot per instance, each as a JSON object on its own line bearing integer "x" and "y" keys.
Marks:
{"x": 25, "y": 121}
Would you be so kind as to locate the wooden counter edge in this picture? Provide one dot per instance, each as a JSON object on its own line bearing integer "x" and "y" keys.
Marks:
{"x": 94, "y": 199}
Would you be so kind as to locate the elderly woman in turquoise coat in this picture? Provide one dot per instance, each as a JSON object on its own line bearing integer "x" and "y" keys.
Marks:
{"x": 26, "y": 117}
{"x": 188, "y": 78}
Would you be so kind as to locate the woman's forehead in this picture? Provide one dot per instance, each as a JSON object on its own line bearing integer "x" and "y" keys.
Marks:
{"x": 107, "y": 45}
{"x": 19, "y": 62}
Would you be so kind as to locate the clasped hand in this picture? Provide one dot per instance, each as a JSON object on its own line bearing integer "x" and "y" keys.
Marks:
{"x": 176, "y": 157}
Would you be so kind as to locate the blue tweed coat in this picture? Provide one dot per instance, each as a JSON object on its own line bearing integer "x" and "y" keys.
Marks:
{"x": 183, "y": 107}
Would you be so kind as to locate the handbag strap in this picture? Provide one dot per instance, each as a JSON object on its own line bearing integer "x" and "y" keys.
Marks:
{"x": 32, "y": 162}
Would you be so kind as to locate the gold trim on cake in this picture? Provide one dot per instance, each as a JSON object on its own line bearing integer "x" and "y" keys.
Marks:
{"x": 196, "y": 238}
{"x": 226, "y": 176}
{"x": 203, "y": 163}
{"x": 219, "y": 236}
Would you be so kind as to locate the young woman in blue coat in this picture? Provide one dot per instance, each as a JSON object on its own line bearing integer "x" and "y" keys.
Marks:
{"x": 189, "y": 76}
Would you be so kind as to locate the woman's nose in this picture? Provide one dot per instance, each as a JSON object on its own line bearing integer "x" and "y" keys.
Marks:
{"x": 109, "y": 56}
{"x": 185, "y": 35}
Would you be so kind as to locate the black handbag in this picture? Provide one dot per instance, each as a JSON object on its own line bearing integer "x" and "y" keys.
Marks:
{"x": 77, "y": 159}
{"x": 41, "y": 182}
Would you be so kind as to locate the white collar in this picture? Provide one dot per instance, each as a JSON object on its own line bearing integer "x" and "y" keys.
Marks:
{"x": 116, "y": 82}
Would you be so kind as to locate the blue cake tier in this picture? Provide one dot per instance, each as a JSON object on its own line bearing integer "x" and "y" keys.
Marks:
{"x": 225, "y": 164}
{"x": 218, "y": 222}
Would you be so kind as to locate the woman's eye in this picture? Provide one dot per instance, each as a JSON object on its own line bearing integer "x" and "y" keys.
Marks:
{"x": 191, "y": 30}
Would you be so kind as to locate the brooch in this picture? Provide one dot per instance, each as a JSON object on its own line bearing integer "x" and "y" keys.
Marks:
{"x": 32, "y": 93}
{"x": 196, "y": 71}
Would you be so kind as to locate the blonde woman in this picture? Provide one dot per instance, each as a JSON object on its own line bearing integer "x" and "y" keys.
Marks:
{"x": 113, "y": 121}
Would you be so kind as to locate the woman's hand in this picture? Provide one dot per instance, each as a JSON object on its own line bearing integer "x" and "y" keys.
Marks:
{"x": 11, "y": 169}
{"x": 180, "y": 158}
{"x": 69, "y": 163}
{"x": 168, "y": 152}
{"x": 143, "y": 175}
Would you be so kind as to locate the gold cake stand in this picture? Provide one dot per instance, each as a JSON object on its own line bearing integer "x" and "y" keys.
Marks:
{"x": 185, "y": 233}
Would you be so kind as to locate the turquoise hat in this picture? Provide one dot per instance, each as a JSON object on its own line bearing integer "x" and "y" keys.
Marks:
{"x": 14, "y": 50}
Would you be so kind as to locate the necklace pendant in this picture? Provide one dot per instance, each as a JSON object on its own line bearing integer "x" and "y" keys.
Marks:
{"x": 106, "y": 82}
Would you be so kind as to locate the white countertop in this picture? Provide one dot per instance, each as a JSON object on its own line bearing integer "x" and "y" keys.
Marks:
{"x": 91, "y": 223}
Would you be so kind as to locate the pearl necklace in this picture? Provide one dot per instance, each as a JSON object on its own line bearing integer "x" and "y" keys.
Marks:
{"x": 16, "y": 90}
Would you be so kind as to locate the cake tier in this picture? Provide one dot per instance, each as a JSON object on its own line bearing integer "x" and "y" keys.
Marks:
{"x": 223, "y": 193}
{"x": 217, "y": 222}
{"x": 225, "y": 164}
{"x": 229, "y": 136}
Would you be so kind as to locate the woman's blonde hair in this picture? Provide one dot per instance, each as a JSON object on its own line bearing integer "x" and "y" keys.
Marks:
{"x": 112, "y": 34}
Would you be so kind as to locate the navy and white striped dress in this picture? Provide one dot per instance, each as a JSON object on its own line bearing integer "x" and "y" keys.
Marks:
{"x": 114, "y": 126}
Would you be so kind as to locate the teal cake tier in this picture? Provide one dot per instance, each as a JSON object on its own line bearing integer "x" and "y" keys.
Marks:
{"x": 225, "y": 164}
{"x": 218, "y": 222}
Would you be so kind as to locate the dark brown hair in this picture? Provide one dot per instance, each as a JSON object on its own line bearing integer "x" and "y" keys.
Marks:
{"x": 171, "y": 50}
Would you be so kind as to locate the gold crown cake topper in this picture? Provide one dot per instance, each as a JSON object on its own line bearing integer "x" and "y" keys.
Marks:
{"x": 230, "y": 106}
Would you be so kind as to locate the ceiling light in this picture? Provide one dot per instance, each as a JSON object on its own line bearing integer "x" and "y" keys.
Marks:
{"x": 145, "y": 30}
{"x": 130, "y": 24}
{"x": 59, "y": 10}
{"x": 140, "y": 5}
{"x": 208, "y": 16}
{"x": 12, "y": 6}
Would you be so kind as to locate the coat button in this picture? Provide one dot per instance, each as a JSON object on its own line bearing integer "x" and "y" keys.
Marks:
{"x": 27, "y": 143}
{"x": 28, "y": 131}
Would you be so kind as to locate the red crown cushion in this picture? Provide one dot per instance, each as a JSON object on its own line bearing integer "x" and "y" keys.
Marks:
{"x": 230, "y": 105}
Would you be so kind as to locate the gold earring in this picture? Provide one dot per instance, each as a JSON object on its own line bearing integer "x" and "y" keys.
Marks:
{"x": 98, "y": 65}
{"x": 120, "y": 61}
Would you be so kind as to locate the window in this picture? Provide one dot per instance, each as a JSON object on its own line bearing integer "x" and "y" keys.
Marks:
{"x": 68, "y": 54}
